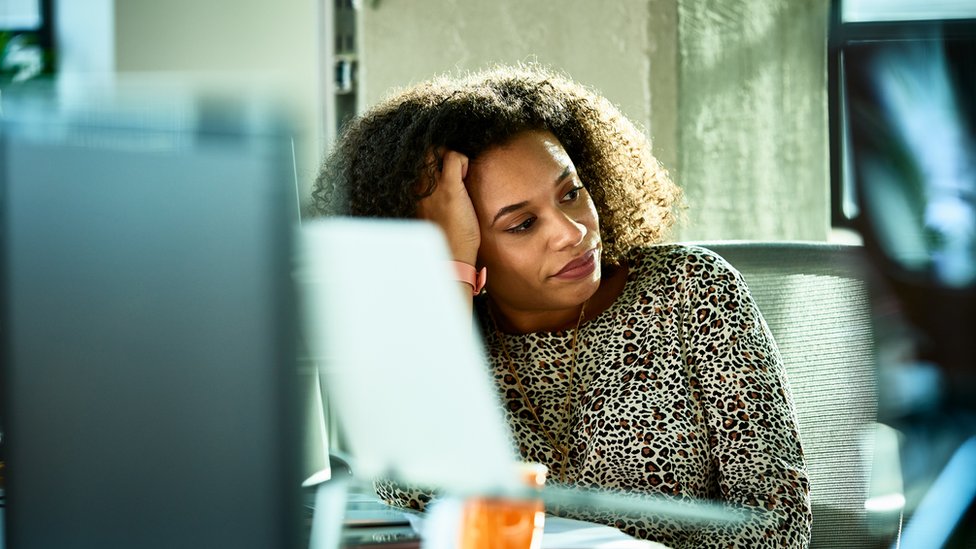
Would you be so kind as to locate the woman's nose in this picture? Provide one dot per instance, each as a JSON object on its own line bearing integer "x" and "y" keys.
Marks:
{"x": 567, "y": 232}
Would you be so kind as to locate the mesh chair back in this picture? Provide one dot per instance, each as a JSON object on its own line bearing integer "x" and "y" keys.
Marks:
{"x": 814, "y": 298}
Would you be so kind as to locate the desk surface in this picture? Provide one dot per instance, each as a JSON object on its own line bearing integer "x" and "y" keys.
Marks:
{"x": 388, "y": 524}
{"x": 560, "y": 533}
{"x": 373, "y": 524}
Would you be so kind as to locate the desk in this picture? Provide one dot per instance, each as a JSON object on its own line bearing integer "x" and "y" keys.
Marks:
{"x": 560, "y": 533}
{"x": 369, "y": 524}
{"x": 564, "y": 533}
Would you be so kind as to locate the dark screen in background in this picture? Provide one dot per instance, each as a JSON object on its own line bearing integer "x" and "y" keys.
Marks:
{"x": 911, "y": 111}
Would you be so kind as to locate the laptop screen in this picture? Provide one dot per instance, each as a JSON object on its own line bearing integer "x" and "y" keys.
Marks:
{"x": 399, "y": 355}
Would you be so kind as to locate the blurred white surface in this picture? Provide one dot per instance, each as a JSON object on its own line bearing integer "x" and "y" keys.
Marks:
{"x": 399, "y": 355}
{"x": 564, "y": 533}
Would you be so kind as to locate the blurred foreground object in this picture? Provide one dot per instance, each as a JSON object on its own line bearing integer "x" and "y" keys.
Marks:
{"x": 913, "y": 133}
{"x": 147, "y": 313}
{"x": 907, "y": 121}
{"x": 499, "y": 523}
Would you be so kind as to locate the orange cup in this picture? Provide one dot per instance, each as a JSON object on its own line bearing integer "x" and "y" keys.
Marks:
{"x": 500, "y": 523}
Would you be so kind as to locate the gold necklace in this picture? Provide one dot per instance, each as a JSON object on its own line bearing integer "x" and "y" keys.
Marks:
{"x": 562, "y": 450}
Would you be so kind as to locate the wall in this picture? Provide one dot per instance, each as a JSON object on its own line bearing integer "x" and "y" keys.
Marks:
{"x": 85, "y": 41}
{"x": 731, "y": 92}
{"x": 254, "y": 43}
{"x": 752, "y": 122}
{"x": 271, "y": 47}
{"x": 602, "y": 44}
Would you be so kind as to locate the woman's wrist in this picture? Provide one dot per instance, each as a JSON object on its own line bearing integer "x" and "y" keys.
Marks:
{"x": 468, "y": 274}
{"x": 466, "y": 252}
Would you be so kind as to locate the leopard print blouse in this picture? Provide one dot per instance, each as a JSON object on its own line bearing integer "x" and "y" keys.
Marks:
{"x": 679, "y": 391}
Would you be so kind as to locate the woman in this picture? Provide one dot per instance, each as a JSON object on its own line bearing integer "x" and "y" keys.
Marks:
{"x": 621, "y": 363}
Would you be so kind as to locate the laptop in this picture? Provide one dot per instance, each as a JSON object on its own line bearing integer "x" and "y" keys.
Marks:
{"x": 398, "y": 355}
{"x": 405, "y": 369}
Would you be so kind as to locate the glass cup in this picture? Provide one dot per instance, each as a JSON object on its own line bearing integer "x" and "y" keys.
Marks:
{"x": 501, "y": 523}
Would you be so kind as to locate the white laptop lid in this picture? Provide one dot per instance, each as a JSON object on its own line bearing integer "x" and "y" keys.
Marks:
{"x": 399, "y": 355}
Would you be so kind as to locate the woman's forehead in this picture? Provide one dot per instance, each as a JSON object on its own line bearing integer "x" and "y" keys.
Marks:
{"x": 530, "y": 150}
{"x": 518, "y": 171}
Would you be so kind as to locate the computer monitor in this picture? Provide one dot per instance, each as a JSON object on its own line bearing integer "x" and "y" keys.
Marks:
{"x": 147, "y": 322}
{"x": 910, "y": 129}
{"x": 906, "y": 127}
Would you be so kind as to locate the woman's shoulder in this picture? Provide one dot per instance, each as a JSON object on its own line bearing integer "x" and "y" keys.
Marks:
{"x": 681, "y": 271}
{"x": 677, "y": 259}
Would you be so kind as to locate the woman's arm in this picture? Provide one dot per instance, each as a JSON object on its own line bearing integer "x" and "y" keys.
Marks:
{"x": 401, "y": 495}
{"x": 450, "y": 207}
{"x": 753, "y": 434}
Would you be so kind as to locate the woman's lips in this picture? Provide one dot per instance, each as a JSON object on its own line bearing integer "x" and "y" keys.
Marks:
{"x": 578, "y": 268}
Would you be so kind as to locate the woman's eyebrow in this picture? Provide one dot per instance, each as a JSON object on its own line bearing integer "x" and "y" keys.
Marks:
{"x": 567, "y": 171}
{"x": 508, "y": 209}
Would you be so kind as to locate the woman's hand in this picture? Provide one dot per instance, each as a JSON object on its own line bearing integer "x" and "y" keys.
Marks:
{"x": 450, "y": 207}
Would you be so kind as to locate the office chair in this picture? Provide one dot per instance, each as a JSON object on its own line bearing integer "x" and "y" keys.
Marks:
{"x": 814, "y": 298}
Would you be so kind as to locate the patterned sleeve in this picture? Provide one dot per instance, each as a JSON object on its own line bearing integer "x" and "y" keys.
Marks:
{"x": 753, "y": 435}
{"x": 401, "y": 495}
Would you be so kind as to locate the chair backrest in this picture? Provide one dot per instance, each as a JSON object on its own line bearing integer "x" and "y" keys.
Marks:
{"x": 814, "y": 298}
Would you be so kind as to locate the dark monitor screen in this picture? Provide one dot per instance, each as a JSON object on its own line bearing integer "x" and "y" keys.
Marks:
{"x": 904, "y": 152}
{"x": 910, "y": 144}
{"x": 911, "y": 106}
{"x": 147, "y": 324}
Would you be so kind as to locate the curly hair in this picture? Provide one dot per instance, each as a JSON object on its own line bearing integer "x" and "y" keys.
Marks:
{"x": 385, "y": 160}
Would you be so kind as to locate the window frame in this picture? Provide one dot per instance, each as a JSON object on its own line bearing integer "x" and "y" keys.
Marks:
{"x": 43, "y": 34}
{"x": 840, "y": 35}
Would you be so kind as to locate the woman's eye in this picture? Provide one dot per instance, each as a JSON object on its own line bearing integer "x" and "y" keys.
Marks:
{"x": 522, "y": 227}
{"x": 573, "y": 194}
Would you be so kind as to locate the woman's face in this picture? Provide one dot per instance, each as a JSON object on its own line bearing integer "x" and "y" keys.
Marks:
{"x": 540, "y": 237}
